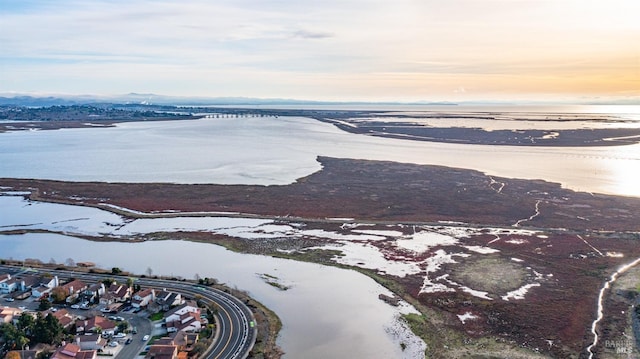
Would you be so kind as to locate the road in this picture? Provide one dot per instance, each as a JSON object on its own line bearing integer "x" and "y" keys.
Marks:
{"x": 236, "y": 333}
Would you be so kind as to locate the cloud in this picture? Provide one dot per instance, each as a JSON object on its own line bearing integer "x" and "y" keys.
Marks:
{"x": 356, "y": 47}
{"x": 304, "y": 34}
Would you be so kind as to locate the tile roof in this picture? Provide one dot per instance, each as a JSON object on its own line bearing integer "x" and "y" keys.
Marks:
{"x": 162, "y": 352}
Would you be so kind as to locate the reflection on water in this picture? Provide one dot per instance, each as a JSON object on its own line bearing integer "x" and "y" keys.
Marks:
{"x": 279, "y": 151}
{"x": 328, "y": 312}
{"x": 317, "y": 312}
{"x": 624, "y": 174}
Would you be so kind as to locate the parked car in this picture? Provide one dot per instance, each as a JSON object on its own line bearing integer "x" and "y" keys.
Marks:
{"x": 128, "y": 341}
{"x": 120, "y": 335}
{"x": 145, "y": 338}
{"x": 113, "y": 344}
{"x": 75, "y": 306}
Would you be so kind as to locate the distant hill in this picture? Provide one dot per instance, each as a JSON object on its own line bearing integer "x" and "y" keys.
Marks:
{"x": 153, "y": 99}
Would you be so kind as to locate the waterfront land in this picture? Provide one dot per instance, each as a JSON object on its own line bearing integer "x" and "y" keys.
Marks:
{"x": 497, "y": 267}
{"x": 207, "y": 292}
{"x": 525, "y": 270}
{"x": 594, "y": 129}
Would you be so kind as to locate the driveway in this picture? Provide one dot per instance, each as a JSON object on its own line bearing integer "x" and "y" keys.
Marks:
{"x": 144, "y": 327}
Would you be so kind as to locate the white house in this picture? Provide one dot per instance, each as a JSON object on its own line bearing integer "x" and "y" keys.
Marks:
{"x": 185, "y": 317}
{"x": 143, "y": 297}
{"x": 91, "y": 342}
{"x": 9, "y": 285}
{"x": 42, "y": 285}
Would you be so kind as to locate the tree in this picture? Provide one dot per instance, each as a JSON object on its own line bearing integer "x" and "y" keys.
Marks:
{"x": 199, "y": 347}
{"x": 70, "y": 262}
{"x": 210, "y": 315}
{"x": 25, "y": 323}
{"x": 149, "y": 271}
{"x": 47, "y": 330}
{"x": 116, "y": 270}
{"x": 14, "y": 338}
{"x": 123, "y": 326}
{"x": 130, "y": 282}
{"x": 58, "y": 294}
{"x": 44, "y": 304}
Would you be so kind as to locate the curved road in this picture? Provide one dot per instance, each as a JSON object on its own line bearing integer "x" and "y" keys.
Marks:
{"x": 236, "y": 333}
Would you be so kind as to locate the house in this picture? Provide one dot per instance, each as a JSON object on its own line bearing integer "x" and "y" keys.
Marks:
{"x": 9, "y": 285}
{"x": 93, "y": 292}
{"x": 121, "y": 293}
{"x": 162, "y": 352}
{"x": 34, "y": 281}
{"x": 167, "y": 300}
{"x": 185, "y": 317}
{"x": 95, "y": 324}
{"x": 91, "y": 342}
{"x": 73, "y": 289}
{"x": 73, "y": 351}
{"x": 64, "y": 317}
{"x": 4, "y": 277}
{"x": 39, "y": 285}
{"x": 164, "y": 341}
{"x": 8, "y": 314}
{"x": 107, "y": 299}
{"x": 175, "y": 313}
{"x": 184, "y": 341}
{"x": 143, "y": 297}
{"x": 40, "y": 291}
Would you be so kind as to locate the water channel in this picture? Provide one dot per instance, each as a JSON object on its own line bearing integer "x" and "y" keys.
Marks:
{"x": 328, "y": 312}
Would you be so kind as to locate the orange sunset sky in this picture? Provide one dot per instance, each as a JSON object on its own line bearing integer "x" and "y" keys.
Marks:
{"x": 355, "y": 50}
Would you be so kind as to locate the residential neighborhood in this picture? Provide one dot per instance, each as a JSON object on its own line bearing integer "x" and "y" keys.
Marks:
{"x": 86, "y": 319}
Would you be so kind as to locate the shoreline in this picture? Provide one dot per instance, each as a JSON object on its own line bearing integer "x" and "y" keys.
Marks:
{"x": 350, "y": 121}
{"x": 266, "y": 319}
{"x": 440, "y": 331}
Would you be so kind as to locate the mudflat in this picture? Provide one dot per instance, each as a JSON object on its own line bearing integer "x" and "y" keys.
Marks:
{"x": 544, "y": 250}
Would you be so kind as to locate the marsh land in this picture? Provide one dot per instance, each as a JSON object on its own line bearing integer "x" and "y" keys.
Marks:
{"x": 496, "y": 266}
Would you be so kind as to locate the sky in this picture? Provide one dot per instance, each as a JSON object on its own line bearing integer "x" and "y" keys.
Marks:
{"x": 329, "y": 50}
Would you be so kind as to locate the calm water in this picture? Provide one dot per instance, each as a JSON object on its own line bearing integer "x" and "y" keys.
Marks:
{"x": 323, "y": 313}
{"x": 278, "y": 151}
{"x": 328, "y": 312}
